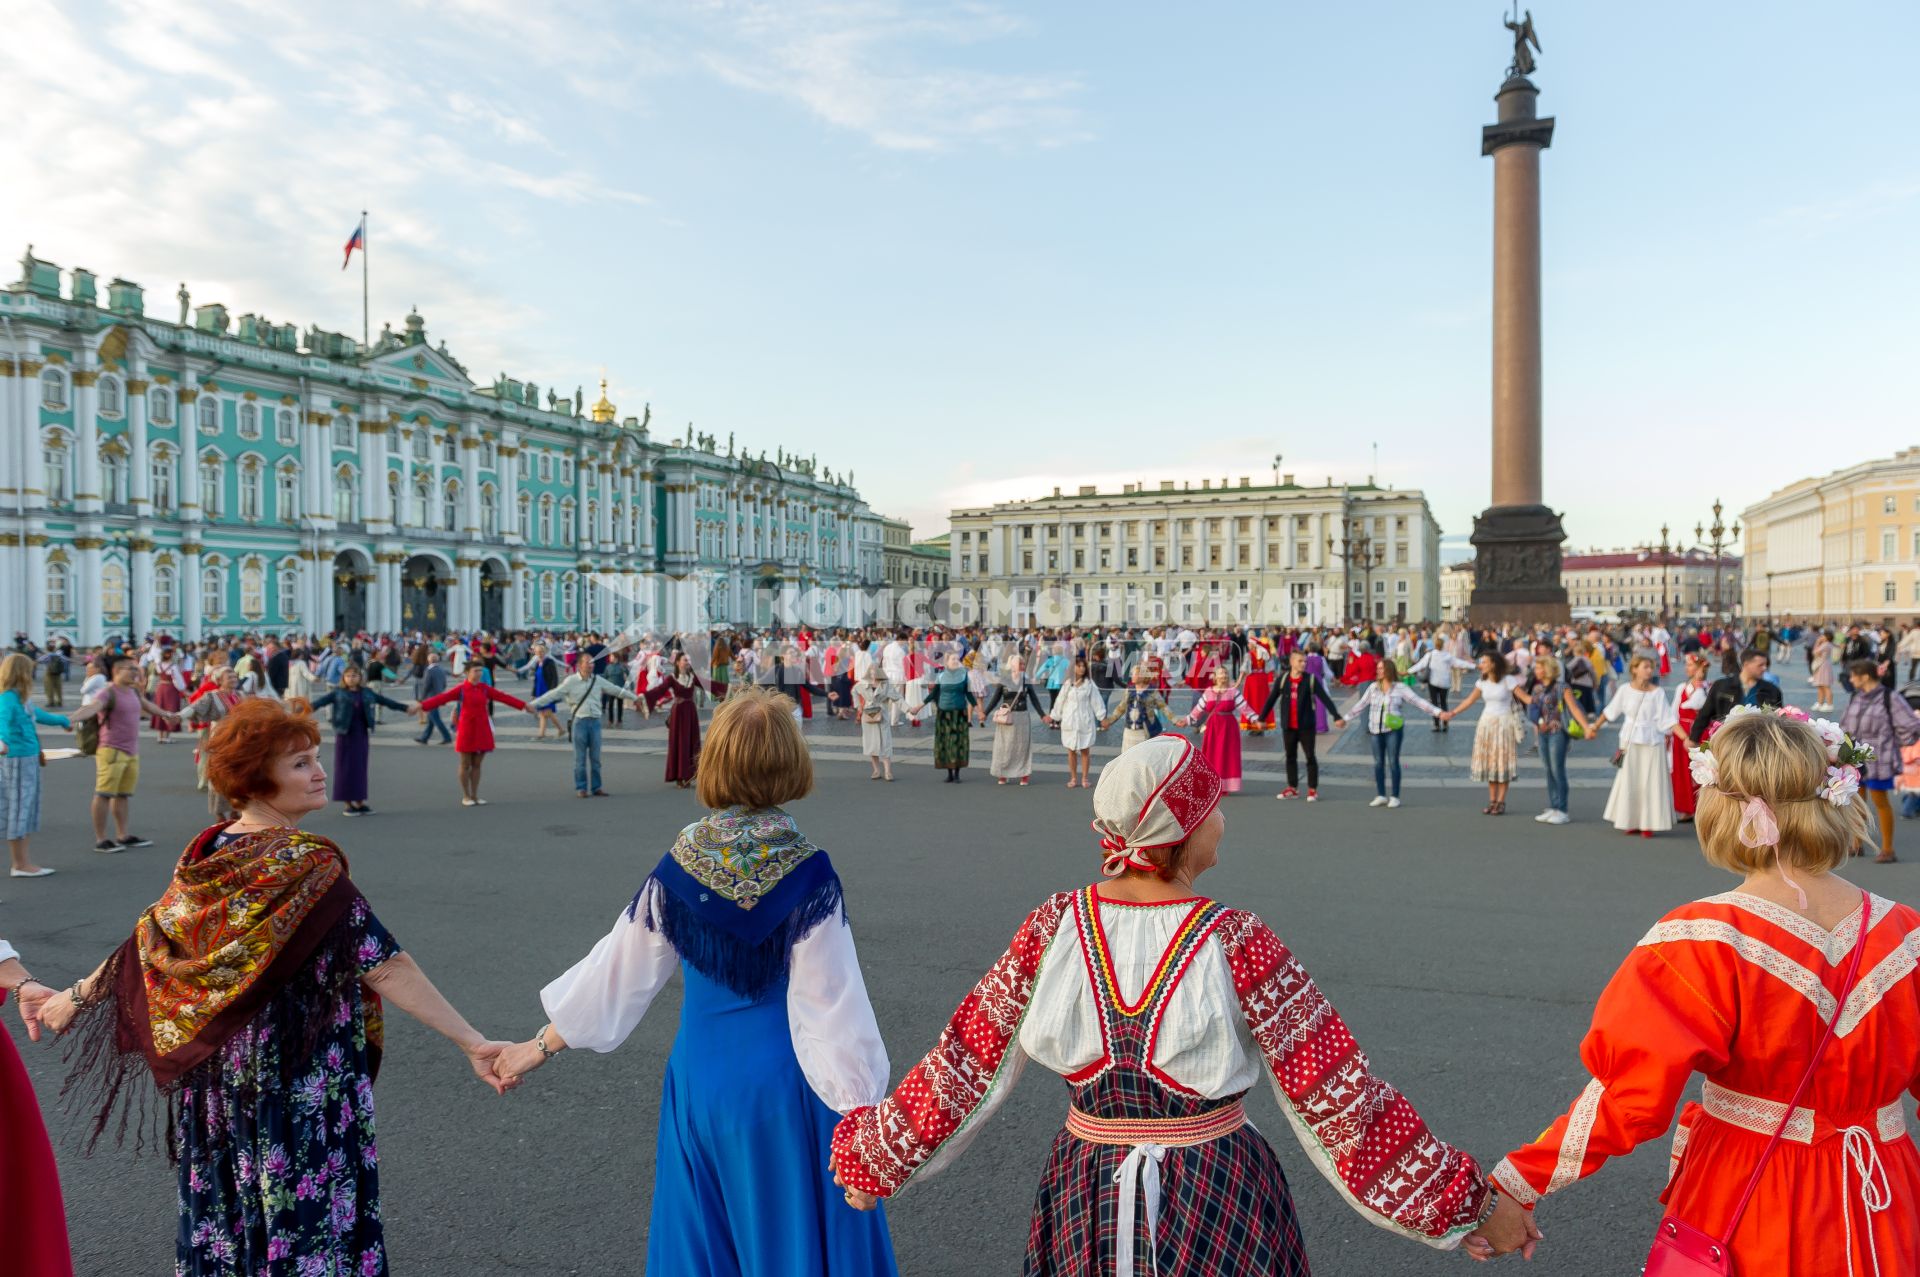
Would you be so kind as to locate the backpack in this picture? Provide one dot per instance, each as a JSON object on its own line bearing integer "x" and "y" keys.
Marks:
{"x": 88, "y": 733}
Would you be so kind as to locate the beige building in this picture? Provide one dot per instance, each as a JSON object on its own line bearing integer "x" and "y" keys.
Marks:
{"x": 930, "y": 566}
{"x": 1843, "y": 547}
{"x": 1456, "y": 590}
{"x": 1279, "y": 554}
{"x": 1630, "y": 582}
{"x": 896, "y": 549}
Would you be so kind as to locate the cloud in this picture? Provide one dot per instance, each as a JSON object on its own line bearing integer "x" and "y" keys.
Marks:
{"x": 1876, "y": 199}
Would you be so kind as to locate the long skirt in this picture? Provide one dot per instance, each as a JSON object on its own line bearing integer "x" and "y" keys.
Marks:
{"x": 741, "y": 1185}
{"x": 1496, "y": 759}
{"x": 1685, "y": 793}
{"x": 876, "y": 739}
{"x": 1013, "y": 747}
{"x": 1642, "y": 796}
{"x": 1131, "y": 736}
{"x": 350, "y": 754}
{"x": 20, "y": 796}
{"x": 33, "y": 1243}
{"x": 1220, "y": 746}
{"x": 167, "y": 697}
{"x": 683, "y": 740}
{"x": 840, "y": 692}
{"x": 1257, "y": 687}
{"x": 951, "y": 742}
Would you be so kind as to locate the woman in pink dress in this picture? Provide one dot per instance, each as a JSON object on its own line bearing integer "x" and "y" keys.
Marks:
{"x": 1220, "y": 711}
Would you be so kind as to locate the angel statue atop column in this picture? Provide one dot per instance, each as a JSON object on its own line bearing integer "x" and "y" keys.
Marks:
{"x": 1523, "y": 35}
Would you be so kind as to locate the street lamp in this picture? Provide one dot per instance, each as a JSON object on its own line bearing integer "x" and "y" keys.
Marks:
{"x": 1722, "y": 538}
{"x": 1358, "y": 552}
{"x": 1769, "y": 598}
{"x": 1666, "y": 553}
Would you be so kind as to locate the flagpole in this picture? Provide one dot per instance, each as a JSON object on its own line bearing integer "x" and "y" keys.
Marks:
{"x": 366, "y": 325}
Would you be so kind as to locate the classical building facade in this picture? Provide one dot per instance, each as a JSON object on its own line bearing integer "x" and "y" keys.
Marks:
{"x": 930, "y": 566}
{"x": 1842, "y": 547}
{"x": 206, "y": 476}
{"x": 1279, "y": 554}
{"x": 1678, "y": 583}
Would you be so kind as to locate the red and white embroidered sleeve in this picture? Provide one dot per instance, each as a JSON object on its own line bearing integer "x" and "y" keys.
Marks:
{"x": 1362, "y": 1134}
{"x": 879, "y": 1149}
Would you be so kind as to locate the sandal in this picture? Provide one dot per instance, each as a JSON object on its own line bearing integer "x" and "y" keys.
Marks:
{"x": 1487, "y": 810}
{"x": 1886, "y": 859}
{"x": 1500, "y": 808}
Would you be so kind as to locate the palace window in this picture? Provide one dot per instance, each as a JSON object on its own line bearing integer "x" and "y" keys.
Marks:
{"x": 166, "y": 593}
{"x": 569, "y": 528}
{"x": 113, "y": 397}
{"x": 487, "y": 458}
{"x": 250, "y": 489}
{"x": 289, "y": 584}
{"x": 113, "y": 588}
{"x": 113, "y": 473}
{"x": 566, "y": 470}
{"x": 546, "y": 467}
{"x": 283, "y": 427}
{"x": 1889, "y": 543}
{"x": 568, "y": 592}
{"x": 249, "y": 420}
{"x": 160, "y": 479}
{"x": 345, "y": 496}
{"x": 53, "y": 389}
{"x": 213, "y": 593}
{"x": 393, "y": 497}
{"x": 1888, "y": 592}
{"x": 450, "y": 448}
{"x": 253, "y": 590}
{"x": 421, "y": 445}
{"x": 546, "y": 594}
{"x": 489, "y": 511}
{"x": 209, "y": 414}
{"x": 59, "y": 583}
{"x": 210, "y": 485}
{"x": 422, "y": 501}
{"x": 546, "y": 520}
{"x": 160, "y": 406}
{"x": 526, "y": 516}
{"x": 343, "y": 432}
{"x": 1890, "y": 505}
{"x": 450, "y": 505}
{"x": 286, "y": 494}
{"x": 593, "y": 519}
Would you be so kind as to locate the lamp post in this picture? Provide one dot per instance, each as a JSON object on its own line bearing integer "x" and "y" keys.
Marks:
{"x": 1722, "y": 537}
{"x": 1769, "y": 598}
{"x": 1666, "y": 552}
{"x": 1360, "y": 552}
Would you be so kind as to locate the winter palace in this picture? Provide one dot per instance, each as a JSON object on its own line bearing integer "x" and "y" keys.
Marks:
{"x": 210, "y": 476}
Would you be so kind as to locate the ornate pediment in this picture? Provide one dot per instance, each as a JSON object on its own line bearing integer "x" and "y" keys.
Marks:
{"x": 419, "y": 363}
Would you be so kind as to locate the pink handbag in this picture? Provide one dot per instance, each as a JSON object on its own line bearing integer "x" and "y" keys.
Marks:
{"x": 1680, "y": 1249}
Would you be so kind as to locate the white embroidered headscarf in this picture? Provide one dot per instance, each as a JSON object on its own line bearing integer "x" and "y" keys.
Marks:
{"x": 1151, "y": 796}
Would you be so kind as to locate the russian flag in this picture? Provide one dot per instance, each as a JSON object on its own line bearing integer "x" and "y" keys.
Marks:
{"x": 357, "y": 240}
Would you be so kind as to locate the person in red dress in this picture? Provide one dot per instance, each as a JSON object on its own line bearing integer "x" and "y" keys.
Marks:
{"x": 1220, "y": 711}
{"x": 1688, "y": 699}
{"x": 1261, "y": 658}
{"x": 33, "y": 1241}
{"x": 683, "y": 723}
{"x": 473, "y": 730}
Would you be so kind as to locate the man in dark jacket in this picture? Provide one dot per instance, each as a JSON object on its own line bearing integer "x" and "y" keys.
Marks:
{"x": 1295, "y": 692}
{"x": 432, "y": 683}
{"x": 1748, "y": 687}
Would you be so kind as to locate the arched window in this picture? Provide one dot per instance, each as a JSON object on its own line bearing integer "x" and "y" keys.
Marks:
{"x": 253, "y": 590}
{"x": 486, "y": 452}
{"x": 450, "y": 447}
{"x": 489, "y": 511}
{"x": 113, "y": 588}
{"x": 53, "y": 388}
{"x": 250, "y": 489}
{"x": 422, "y": 501}
{"x": 113, "y": 472}
{"x": 567, "y": 592}
{"x": 209, "y": 414}
{"x": 343, "y": 432}
{"x": 546, "y": 595}
{"x": 569, "y": 530}
{"x": 160, "y": 479}
{"x": 593, "y": 520}
{"x": 113, "y": 397}
{"x": 59, "y": 590}
{"x": 283, "y": 427}
{"x": 160, "y": 406}
{"x": 57, "y": 459}
{"x": 286, "y": 493}
{"x": 210, "y": 494}
{"x": 249, "y": 420}
{"x": 213, "y": 592}
{"x": 166, "y": 592}
{"x": 450, "y": 505}
{"x": 345, "y": 491}
{"x": 526, "y": 516}
{"x": 421, "y": 444}
{"x": 546, "y": 467}
{"x": 289, "y": 588}
{"x": 393, "y": 497}
{"x": 546, "y": 519}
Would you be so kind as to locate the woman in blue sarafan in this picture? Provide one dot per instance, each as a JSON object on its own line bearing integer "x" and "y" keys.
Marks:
{"x": 777, "y": 1038}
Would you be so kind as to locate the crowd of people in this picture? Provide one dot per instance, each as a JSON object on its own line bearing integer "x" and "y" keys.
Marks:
{"x": 248, "y": 993}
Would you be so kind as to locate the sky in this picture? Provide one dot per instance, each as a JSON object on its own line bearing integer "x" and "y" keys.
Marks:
{"x": 969, "y": 250}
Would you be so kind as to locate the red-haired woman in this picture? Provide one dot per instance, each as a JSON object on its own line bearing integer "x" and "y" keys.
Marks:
{"x": 473, "y": 729}
{"x": 249, "y": 994}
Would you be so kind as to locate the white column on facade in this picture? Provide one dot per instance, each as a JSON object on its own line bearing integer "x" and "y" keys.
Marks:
{"x": 36, "y": 585}
{"x": 605, "y": 474}
{"x": 470, "y": 495}
{"x": 648, "y": 544}
{"x": 139, "y": 473}
{"x": 731, "y": 548}
{"x": 316, "y": 464}
{"x": 140, "y": 586}
{"x": 86, "y": 423}
{"x": 86, "y": 584}
{"x": 187, "y": 417}
{"x": 195, "y": 622}
{"x": 374, "y": 500}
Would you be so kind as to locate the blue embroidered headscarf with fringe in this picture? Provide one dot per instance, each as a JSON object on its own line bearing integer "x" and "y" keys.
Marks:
{"x": 740, "y": 888}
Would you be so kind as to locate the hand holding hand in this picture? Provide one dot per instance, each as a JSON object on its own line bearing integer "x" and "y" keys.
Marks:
{"x": 1509, "y": 1228}
{"x": 32, "y": 997}
{"x": 518, "y": 1060}
{"x": 854, "y": 1197}
{"x": 481, "y": 1056}
{"x": 1340, "y": 722}
{"x": 55, "y": 1012}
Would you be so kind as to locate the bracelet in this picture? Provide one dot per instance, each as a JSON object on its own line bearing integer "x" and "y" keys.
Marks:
{"x": 540, "y": 1041}
{"x": 24, "y": 982}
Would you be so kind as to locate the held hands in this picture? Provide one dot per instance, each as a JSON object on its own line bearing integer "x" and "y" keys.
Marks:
{"x": 1508, "y": 1229}
{"x": 518, "y": 1059}
{"x": 854, "y": 1197}
{"x": 48, "y": 1011}
{"x": 482, "y": 1057}
{"x": 33, "y": 997}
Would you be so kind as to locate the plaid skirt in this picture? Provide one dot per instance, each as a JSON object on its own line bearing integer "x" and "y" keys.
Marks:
{"x": 1224, "y": 1210}
{"x": 951, "y": 742}
{"x": 20, "y": 794}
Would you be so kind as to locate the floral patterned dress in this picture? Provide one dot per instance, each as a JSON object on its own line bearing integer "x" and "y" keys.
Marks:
{"x": 281, "y": 1178}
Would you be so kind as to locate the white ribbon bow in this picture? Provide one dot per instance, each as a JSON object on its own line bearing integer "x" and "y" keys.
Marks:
{"x": 1141, "y": 1164}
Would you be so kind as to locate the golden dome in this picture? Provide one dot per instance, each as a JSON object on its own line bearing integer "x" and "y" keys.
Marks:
{"x": 604, "y": 410}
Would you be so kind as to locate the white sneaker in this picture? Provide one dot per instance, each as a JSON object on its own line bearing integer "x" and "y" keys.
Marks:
{"x": 466, "y": 802}
{"x": 1380, "y": 801}
{"x": 1393, "y": 802}
{"x": 1545, "y": 817}
{"x": 1560, "y": 818}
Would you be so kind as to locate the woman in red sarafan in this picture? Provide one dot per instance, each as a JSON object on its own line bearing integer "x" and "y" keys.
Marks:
{"x": 1161, "y": 1009}
{"x": 1742, "y": 988}
{"x": 33, "y": 1242}
{"x": 1688, "y": 699}
{"x": 473, "y": 730}
{"x": 1261, "y": 658}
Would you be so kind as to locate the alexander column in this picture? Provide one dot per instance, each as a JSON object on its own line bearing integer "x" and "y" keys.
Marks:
{"x": 1517, "y": 539}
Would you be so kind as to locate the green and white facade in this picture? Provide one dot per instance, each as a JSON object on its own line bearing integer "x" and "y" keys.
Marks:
{"x": 211, "y": 477}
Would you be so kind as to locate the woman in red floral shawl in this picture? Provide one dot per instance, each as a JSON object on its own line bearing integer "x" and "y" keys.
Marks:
{"x": 1161, "y": 1008}
{"x": 250, "y": 994}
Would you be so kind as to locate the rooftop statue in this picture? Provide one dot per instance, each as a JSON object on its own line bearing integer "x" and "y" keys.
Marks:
{"x": 183, "y": 295}
{"x": 1523, "y": 35}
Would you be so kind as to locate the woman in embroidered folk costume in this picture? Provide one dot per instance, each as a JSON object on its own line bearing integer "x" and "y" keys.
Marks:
{"x": 250, "y": 992}
{"x": 1220, "y": 711}
{"x": 683, "y": 722}
{"x": 951, "y": 694}
{"x": 1161, "y": 1009}
{"x": 776, "y": 1036}
{"x": 1743, "y": 988}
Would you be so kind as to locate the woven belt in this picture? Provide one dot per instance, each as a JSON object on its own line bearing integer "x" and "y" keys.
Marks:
{"x": 1751, "y": 1113}
{"x": 1148, "y": 1139}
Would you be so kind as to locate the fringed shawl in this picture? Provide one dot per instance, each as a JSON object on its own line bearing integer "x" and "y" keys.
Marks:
{"x": 739, "y": 889}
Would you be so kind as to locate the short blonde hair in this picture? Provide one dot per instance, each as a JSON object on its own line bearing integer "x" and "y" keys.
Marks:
{"x": 1547, "y": 667}
{"x": 1638, "y": 661}
{"x": 16, "y": 675}
{"x": 1783, "y": 763}
{"x": 754, "y": 755}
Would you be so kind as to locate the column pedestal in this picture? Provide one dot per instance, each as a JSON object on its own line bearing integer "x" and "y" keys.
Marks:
{"x": 1517, "y": 567}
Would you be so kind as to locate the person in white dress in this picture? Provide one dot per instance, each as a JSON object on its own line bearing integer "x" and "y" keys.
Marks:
{"x": 1078, "y": 710}
{"x": 1642, "y": 798}
{"x": 1496, "y": 737}
{"x": 871, "y": 697}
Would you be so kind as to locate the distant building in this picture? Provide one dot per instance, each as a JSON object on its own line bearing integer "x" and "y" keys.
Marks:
{"x": 1279, "y": 554}
{"x": 932, "y": 563}
{"x": 1633, "y": 582}
{"x": 1456, "y": 590}
{"x": 1842, "y": 547}
{"x": 896, "y": 548}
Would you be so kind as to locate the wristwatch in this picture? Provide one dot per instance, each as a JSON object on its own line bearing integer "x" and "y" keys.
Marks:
{"x": 540, "y": 1041}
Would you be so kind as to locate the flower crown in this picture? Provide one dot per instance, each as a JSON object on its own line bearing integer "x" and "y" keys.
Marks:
{"x": 1845, "y": 756}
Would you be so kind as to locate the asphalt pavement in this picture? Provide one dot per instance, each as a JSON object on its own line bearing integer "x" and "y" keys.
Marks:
{"x": 1465, "y": 952}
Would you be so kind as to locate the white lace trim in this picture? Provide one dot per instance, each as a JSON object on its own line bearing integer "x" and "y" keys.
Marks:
{"x": 1573, "y": 1146}
{"x": 1877, "y": 983}
{"x": 1754, "y": 950}
{"x": 1513, "y": 1183}
{"x": 1761, "y": 1116}
{"x": 1834, "y": 945}
{"x": 1680, "y": 1136}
